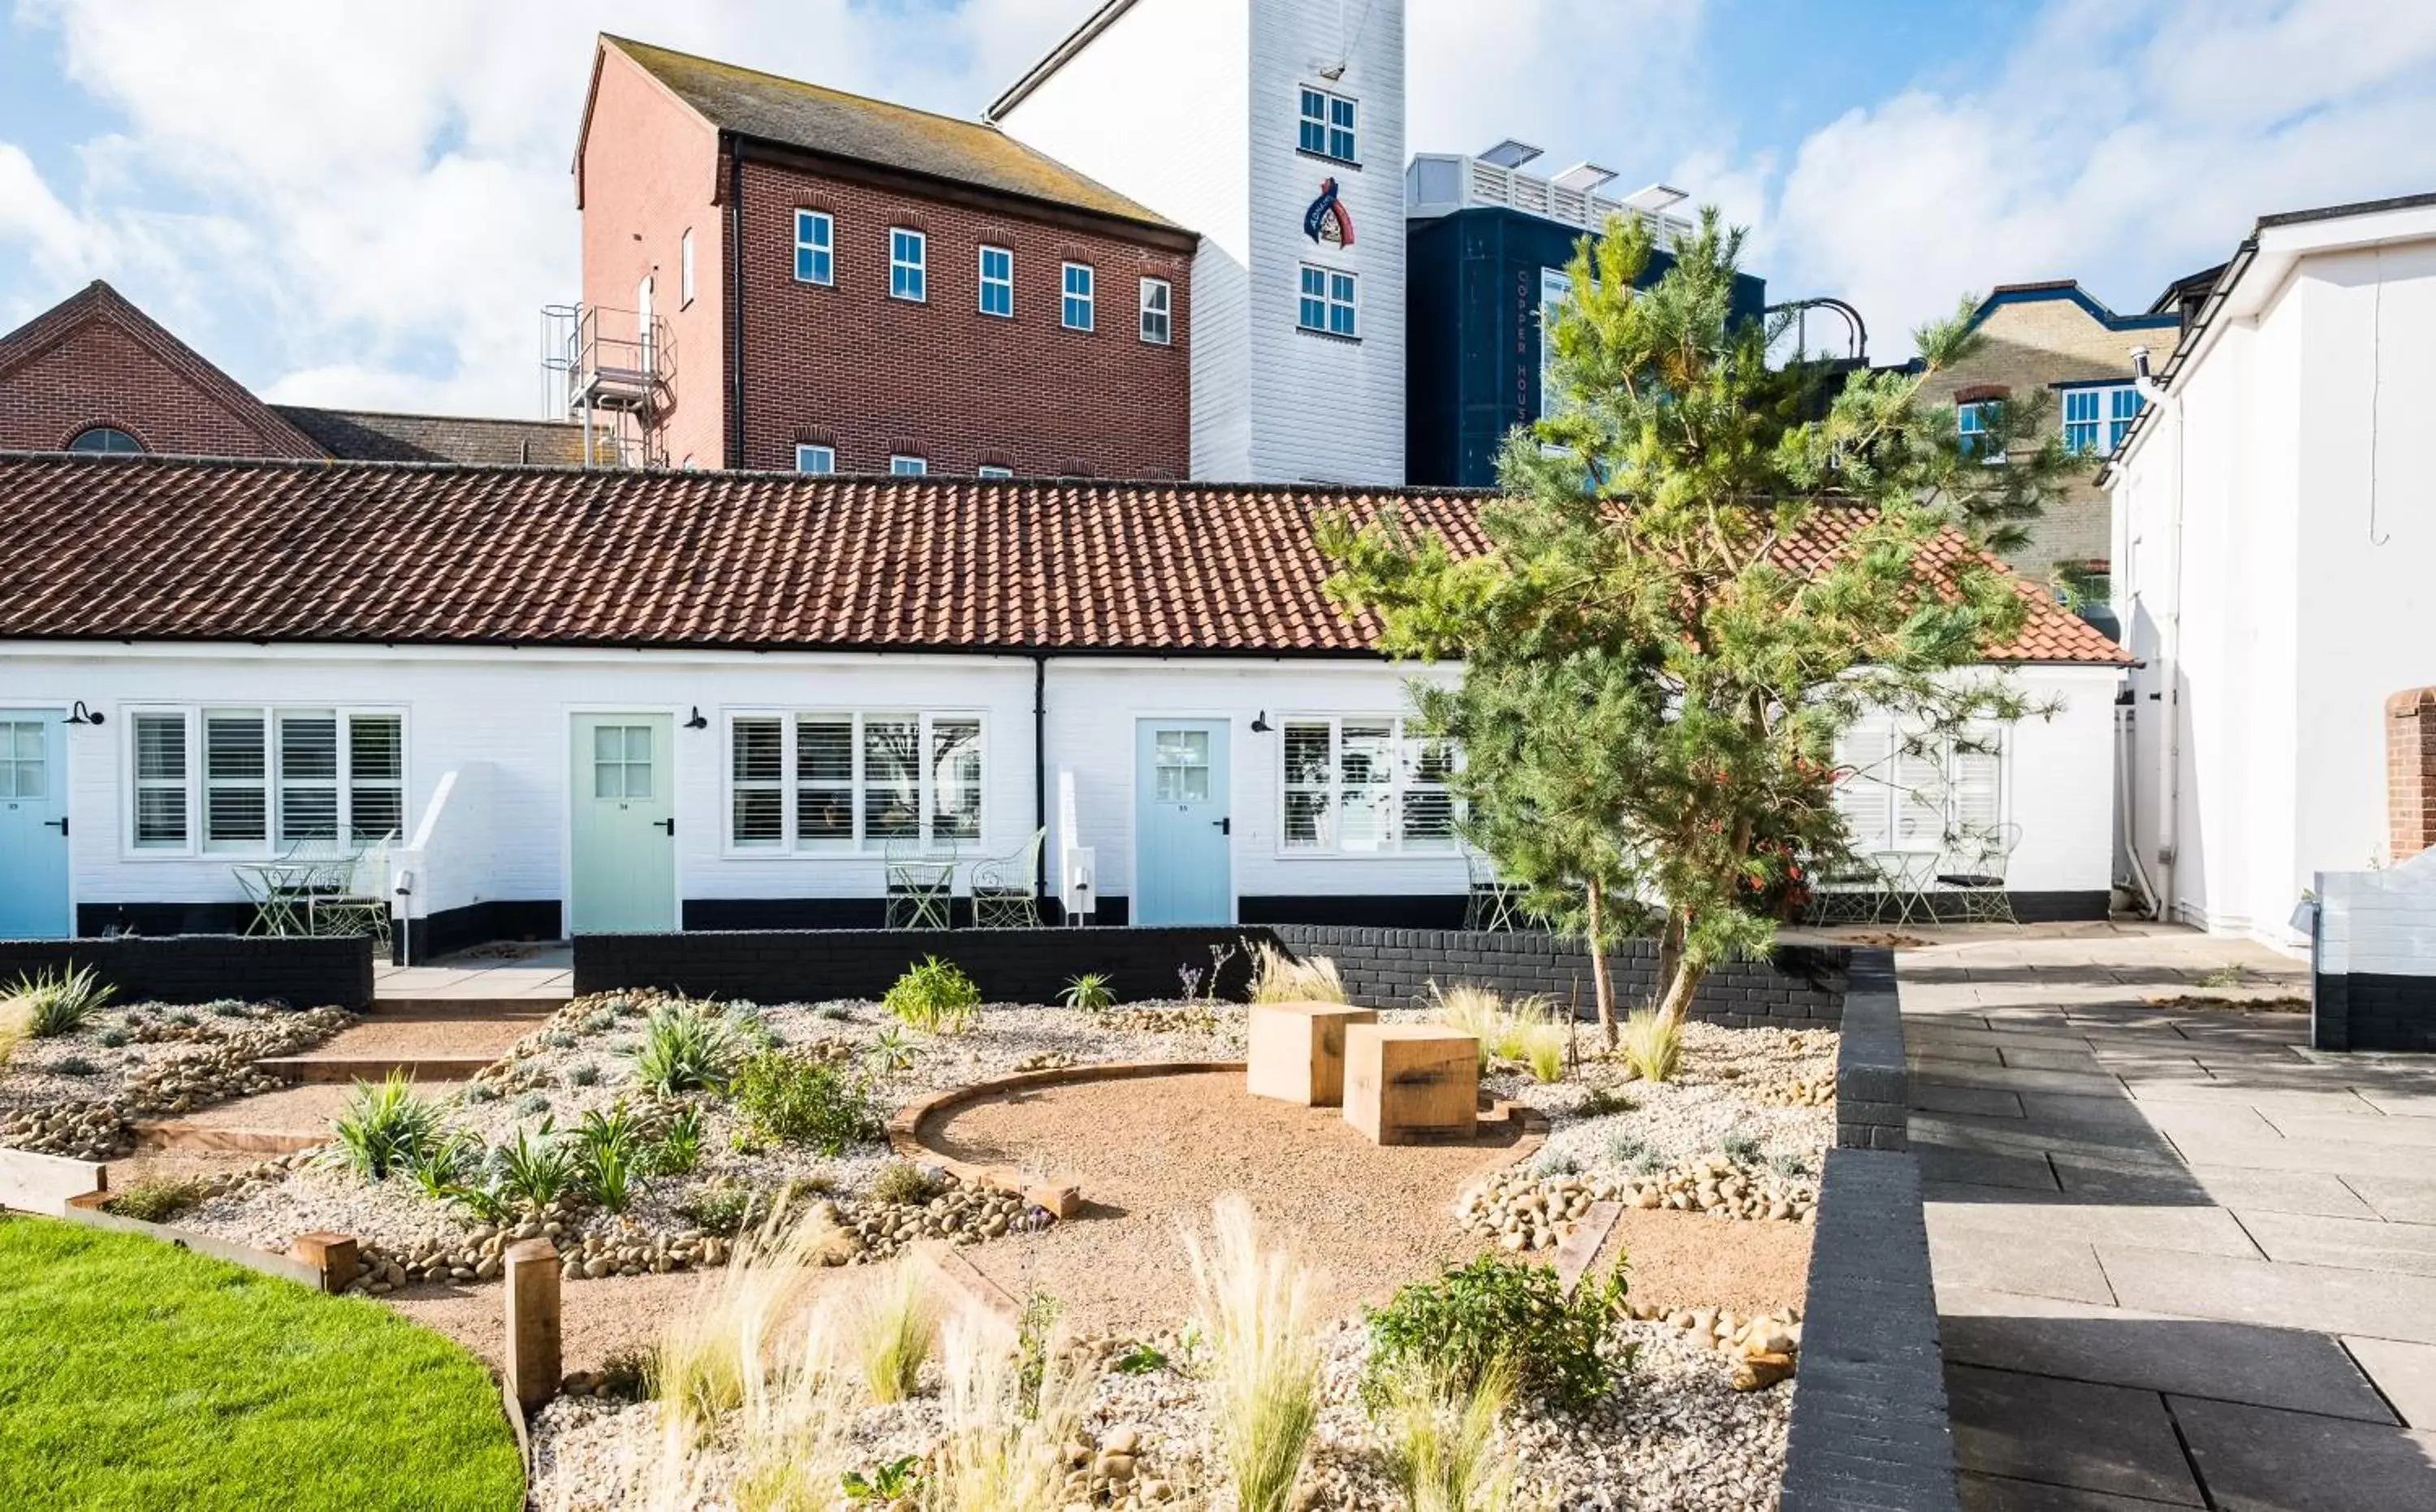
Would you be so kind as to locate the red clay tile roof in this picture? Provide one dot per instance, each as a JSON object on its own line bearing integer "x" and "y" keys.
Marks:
{"x": 161, "y": 549}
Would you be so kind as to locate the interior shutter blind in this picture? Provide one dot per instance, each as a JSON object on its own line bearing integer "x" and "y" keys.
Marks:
{"x": 1979, "y": 784}
{"x": 1861, "y": 796}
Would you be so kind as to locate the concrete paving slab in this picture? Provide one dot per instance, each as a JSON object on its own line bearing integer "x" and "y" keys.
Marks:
{"x": 2329, "y": 1099}
{"x": 2201, "y": 1230}
{"x": 1965, "y": 1073}
{"x": 2072, "y": 1107}
{"x": 2067, "y": 1432}
{"x": 2272, "y": 1294}
{"x": 1988, "y": 1101}
{"x": 2119, "y": 1346}
{"x": 1994, "y": 1493}
{"x": 2353, "y": 1244}
{"x": 2397, "y": 1199}
{"x": 2258, "y": 1459}
{"x": 2053, "y": 1060}
{"x": 2067, "y": 1270}
{"x": 1923, "y": 1035}
{"x": 2372, "y": 1128}
{"x": 2401, "y": 1105}
{"x": 2128, "y": 1177}
{"x": 2341, "y": 1158}
{"x": 2281, "y": 1191}
{"x": 2204, "y": 1120}
{"x": 1933, "y": 1052}
{"x": 2028, "y": 1173}
{"x": 1965, "y": 1131}
{"x": 2405, "y": 1373}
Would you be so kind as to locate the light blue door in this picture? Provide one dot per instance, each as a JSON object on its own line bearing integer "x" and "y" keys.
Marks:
{"x": 623, "y": 825}
{"x": 1182, "y": 824}
{"x": 33, "y": 824}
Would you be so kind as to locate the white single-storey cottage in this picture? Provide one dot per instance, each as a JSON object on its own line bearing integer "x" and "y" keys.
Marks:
{"x": 618, "y": 701}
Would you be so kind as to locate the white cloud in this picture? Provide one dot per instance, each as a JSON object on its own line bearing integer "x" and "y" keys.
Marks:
{"x": 2121, "y": 144}
{"x": 31, "y": 214}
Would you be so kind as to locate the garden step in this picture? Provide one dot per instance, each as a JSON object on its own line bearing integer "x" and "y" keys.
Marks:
{"x": 184, "y": 1134}
{"x": 324, "y": 1069}
{"x": 401, "y": 1010}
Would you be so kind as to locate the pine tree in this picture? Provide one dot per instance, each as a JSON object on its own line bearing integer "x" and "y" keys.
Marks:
{"x": 1701, "y": 572}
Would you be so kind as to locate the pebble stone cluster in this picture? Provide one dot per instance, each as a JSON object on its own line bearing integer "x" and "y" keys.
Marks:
{"x": 1524, "y": 1211}
{"x": 1801, "y": 1091}
{"x": 1763, "y": 1346}
{"x": 962, "y": 1213}
{"x": 103, "y": 1128}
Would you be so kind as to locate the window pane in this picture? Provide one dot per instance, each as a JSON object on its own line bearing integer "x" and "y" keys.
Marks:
{"x": 825, "y": 751}
{"x": 1306, "y": 753}
{"x": 1306, "y": 818}
{"x": 375, "y": 747}
{"x": 376, "y": 813}
{"x": 608, "y": 743}
{"x": 760, "y": 816}
{"x": 608, "y": 777}
{"x": 759, "y": 752}
{"x": 890, "y": 772}
{"x": 639, "y": 743}
{"x": 308, "y": 813}
{"x": 308, "y": 748}
{"x": 1365, "y": 759}
{"x": 161, "y": 816}
{"x": 232, "y": 748}
{"x": 161, "y": 747}
{"x": 236, "y": 814}
{"x": 956, "y": 779}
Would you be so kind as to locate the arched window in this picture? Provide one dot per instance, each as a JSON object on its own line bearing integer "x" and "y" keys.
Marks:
{"x": 104, "y": 438}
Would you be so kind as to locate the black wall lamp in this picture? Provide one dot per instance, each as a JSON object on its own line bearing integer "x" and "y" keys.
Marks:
{"x": 697, "y": 722}
{"x": 80, "y": 715}
{"x": 1260, "y": 723}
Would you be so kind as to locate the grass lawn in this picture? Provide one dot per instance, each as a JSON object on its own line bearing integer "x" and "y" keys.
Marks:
{"x": 136, "y": 1375}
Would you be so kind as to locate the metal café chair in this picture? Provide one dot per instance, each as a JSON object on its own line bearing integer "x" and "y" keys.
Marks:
{"x": 1848, "y": 892}
{"x": 921, "y": 886}
{"x": 1977, "y": 859}
{"x": 359, "y": 903}
{"x": 1490, "y": 905}
{"x": 1004, "y": 888}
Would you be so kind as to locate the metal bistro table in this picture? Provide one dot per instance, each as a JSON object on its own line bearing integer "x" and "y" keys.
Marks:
{"x": 1910, "y": 876}
{"x": 283, "y": 892}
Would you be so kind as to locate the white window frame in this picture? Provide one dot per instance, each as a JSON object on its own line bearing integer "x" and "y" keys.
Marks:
{"x": 2113, "y": 406}
{"x": 274, "y": 783}
{"x": 1332, "y": 298}
{"x": 917, "y": 268}
{"x": 685, "y": 269}
{"x": 825, "y": 456}
{"x": 791, "y": 845}
{"x": 1330, "y": 129}
{"x": 982, "y": 293}
{"x": 1088, "y": 297}
{"x": 903, "y": 464}
{"x": 816, "y": 233}
{"x": 986, "y": 469}
{"x": 1873, "y": 778}
{"x": 1403, "y": 743}
{"x": 1969, "y": 424}
{"x": 1163, "y": 310}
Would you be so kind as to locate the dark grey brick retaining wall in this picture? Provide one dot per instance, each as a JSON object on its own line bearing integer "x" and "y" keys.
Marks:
{"x": 1871, "y": 1430}
{"x": 1383, "y": 967}
{"x": 314, "y": 973}
{"x": 2366, "y": 1011}
{"x": 1803, "y": 985}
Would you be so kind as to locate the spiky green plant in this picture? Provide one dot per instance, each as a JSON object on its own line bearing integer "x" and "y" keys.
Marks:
{"x": 686, "y": 1048}
{"x": 1652, "y": 1045}
{"x": 1256, "y": 1310}
{"x": 609, "y": 1155}
{"x": 1089, "y": 993}
{"x": 58, "y": 999}
{"x": 445, "y": 1163}
{"x": 679, "y": 1149}
{"x": 894, "y": 1332}
{"x": 536, "y": 1166}
{"x": 934, "y": 995}
{"x": 383, "y": 1127}
{"x": 1278, "y": 977}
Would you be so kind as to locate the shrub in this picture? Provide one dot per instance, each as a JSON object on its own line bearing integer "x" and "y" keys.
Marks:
{"x": 1141, "y": 1360}
{"x": 934, "y": 995}
{"x": 16, "y": 1027}
{"x": 889, "y": 1052}
{"x": 903, "y": 1184}
{"x": 894, "y": 1334}
{"x": 794, "y": 1101}
{"x": 226, "y": 1008}
{"x": 533, "y": 1104}
{"x": 383, "y": 1127}
{"x": 1441, "y": 1440}
{"x": 835, "y": 1012}
{"x": 720, "y": 1210}
{"x": 1557, "y": 1163}
{"x": 1256, "y": 1311}
{"x": 623, "y": 1371}
{"x": 685, "y": 1048}
{"x": 1089, "y": 993}
{"x": 1789, "y": 1166}
{"x": 1543, "y": 1050}
{"x": 1652, "y": 1046}
{"x": 558, "y": 1039}
{"x": 679, "y": 1149}
{"x": 599, "y": 1021}
{"x": 1627, "y": 1148}
{"x": 1740, "y": 1148}
{"x": 182, "y": 1018}
{"x": 1526, "y": 1029}
{"x": 443, "y": 1166}
{"x": 156, "y": 1201}
{"x": 1600, "y": 1101}
{"x": 1278, "y": 977}
{"x": 59, "y": 1000}
{"x": 582, "y": 1073}
{"x": 608, "y": 1156}
{"x": 1005, "y": 1445}
{"x": 74, "y": 1066}
{"x": 111, "y": 1038}
{"x": 537, "y": 1167}
{"x": 479, "y": 1092}
{"x": 1498, "y": 1312}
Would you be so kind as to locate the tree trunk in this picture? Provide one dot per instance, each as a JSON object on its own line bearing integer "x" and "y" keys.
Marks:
{"x": 1677, "y": 978}
{"x": 1602, "y": 985}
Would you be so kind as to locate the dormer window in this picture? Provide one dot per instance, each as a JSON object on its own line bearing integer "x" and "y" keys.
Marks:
{"x": 1327, "y": 126}
{"x": 106, "y": 439}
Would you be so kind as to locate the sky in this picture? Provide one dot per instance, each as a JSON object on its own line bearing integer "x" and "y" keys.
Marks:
{"x": 367, "y": 206}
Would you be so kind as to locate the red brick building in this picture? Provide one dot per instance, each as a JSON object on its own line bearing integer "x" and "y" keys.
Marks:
{"x": 93, "y": 373}
{"x": 778, "y": 275}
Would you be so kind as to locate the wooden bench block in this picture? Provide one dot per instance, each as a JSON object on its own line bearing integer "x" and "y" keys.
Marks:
{"x": 1412, "y": 1084}
{"x": 1297, "y": 1051}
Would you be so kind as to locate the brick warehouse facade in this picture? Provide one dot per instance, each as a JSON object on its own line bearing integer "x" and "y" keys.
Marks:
{"x": 762, "y": 361}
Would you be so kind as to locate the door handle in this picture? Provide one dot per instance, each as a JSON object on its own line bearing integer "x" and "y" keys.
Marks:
{"x": 668, "y": 824}
{"x": 1226, "y": 826}
{"x": 62, "y": 823}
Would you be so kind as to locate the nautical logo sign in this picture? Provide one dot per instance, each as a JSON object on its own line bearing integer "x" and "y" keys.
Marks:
{"x": 1327, "y": 219}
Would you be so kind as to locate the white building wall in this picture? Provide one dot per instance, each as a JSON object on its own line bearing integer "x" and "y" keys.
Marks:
{"x": 1156, "y": 107}
{"x": 2302, "y": 605}
{"x": 499, "y": 721}
{"x": 1192, "y": 107}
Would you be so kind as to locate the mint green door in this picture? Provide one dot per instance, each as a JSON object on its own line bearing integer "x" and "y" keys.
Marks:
{"x": 33, "y": 825}
{"x": 622, "y": 835}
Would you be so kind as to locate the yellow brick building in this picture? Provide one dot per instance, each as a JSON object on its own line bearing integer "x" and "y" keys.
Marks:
{"x": 2054, "y": 336}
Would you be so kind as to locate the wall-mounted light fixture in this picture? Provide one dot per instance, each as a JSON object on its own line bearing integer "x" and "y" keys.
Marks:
{"x": 697, "y": 722}
{"x": 80, "y": 715}
{"x": 1260, "y": 723}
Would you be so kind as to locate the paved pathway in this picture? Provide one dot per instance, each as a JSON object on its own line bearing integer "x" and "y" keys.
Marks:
{"x": 2179, "y": 1260}
{"x": 492, "y": 974}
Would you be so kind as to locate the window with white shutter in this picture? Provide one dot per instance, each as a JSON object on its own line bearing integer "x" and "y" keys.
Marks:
{"x": 848, "y": 783}
{"x": 1364, "y": 785}
{"x": 1906, "y": 794}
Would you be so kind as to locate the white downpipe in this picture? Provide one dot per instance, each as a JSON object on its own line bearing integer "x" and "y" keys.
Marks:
{"x": 2169, "y": 674}
{"x": 2125, "y": 791}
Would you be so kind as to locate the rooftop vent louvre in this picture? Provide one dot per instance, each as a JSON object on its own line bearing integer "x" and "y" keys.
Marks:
{"x": 1510, "y": 153}
{"x": 1656, "y": 197}
{"x": 1582, "y": 178}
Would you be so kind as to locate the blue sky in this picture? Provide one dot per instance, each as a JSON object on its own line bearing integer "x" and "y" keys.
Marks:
{"x": 360, "y": 204}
